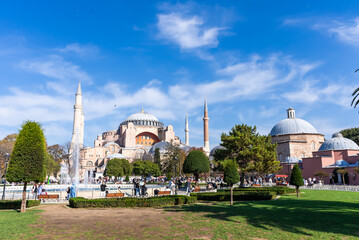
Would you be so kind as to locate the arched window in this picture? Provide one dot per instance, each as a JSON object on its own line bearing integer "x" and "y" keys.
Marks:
{"x": 89, "y": 164}
{"x": 313, "y": 145}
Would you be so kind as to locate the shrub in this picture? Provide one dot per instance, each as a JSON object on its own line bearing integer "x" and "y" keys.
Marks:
{"x": 278, "y": 190}
{"x": 16, "y": 204}
{"x": 131, "y": 202}
{"x": 237, "y": 196}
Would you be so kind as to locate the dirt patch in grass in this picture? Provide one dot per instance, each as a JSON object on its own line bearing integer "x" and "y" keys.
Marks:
{"x": 62, "y": 222}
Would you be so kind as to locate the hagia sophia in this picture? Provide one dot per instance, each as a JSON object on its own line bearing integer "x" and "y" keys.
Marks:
{"x": 141, "y": 133}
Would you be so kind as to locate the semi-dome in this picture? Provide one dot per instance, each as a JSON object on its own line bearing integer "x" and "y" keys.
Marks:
{"x": 143, "y": 118}
{"x": 292, "y": 125}
{"x": 338, "y": 142}
{"x": 215, "y": 149}
{"x": 160, "y": 145}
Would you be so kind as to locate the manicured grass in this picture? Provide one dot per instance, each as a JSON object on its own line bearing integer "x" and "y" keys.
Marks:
{"x": 15, "y": 225}
{"x": 314, "y": 215}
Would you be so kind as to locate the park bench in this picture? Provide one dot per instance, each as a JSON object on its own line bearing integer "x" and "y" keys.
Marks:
{"x": 115, "y": 195}
{"x": 197, "y": 189}
{"x": 164, "y": 192}
{"x": 49, "y": 198}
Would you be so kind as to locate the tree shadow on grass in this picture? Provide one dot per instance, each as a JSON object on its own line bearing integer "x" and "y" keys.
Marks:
{"x": 290, "y": 215}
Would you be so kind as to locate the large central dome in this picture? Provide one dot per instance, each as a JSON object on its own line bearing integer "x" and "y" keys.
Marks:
{"x": 292, "y": 125}
{"x": 143, "y": 118}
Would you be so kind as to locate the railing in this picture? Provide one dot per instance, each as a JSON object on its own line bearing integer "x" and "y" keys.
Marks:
{"x": 348, "y": 188}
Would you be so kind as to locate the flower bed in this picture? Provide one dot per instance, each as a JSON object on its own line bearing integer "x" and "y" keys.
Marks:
{"x": 131, "y": 202}
{"x": 16, "y": 204}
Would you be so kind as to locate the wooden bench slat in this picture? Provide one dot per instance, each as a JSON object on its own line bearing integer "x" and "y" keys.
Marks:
{"x": 109, "y": 195}
{"x": 164, "y": 192}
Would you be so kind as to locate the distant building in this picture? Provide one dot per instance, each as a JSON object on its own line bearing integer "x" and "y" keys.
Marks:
{"x": 296, "y": 139}
{"x": 335, "y": 153}
{"x": 136, "y": 138}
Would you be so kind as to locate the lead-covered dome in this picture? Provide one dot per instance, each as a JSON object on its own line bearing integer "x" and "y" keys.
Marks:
{"x": 292, "y": 125}
{"x": 338, "y": 142}
{"x": 143, "y": 118}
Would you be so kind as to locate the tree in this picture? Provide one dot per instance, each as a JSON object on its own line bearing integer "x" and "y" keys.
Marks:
{"x": 146, "y": 168}
{"x": 321, "y": 174}
{"x": 265, "y": 159}
{"x": 6, "y": 146}
{"x": 157, "y": 158}
{"x": 127, "y": 168}
{"x": 52, "y": 167}
{"x": 343, "y": 172}
{"x": 351, "y": 133}
{"x": 58, "y": 152}
{"x": 296, "y": 178}
{"x": 251, "y": 151}
{"x": 173, "y": 159}
{"x": 114, "y": 168}
{"x": 196, "y": 163}
{"x": 231, "y": 175}
{"x": 28, "y": 159}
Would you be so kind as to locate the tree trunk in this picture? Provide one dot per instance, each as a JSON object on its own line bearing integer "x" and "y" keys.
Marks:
{"x": 232, "y": 195}
{"x": 23, "y": 203}
{"x": 343, "y": 179}
{"x": 196, "y": 179}
{"x": 297, "y": 187}
{"x": 242, "y": 180}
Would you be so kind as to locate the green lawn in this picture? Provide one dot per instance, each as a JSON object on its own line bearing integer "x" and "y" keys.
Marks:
{"x": 314, "y": 215}
{"x": 15, "y": 225}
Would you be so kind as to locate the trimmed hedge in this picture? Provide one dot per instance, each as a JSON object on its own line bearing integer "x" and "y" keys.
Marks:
{"x": 237, "y": 196}
{"x": 16, "y": 204}
{"x": 278, "y": 190}
{"x": 161, "y": 201}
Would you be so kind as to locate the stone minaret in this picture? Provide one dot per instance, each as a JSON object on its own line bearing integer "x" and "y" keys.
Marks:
{"x": 187, "y": 131}
{"x": 78, "y": 119}
{"x": 205, "y": 129}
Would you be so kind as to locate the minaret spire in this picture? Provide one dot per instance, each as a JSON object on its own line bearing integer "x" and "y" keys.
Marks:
{"x": 206, "y": 129}
{"x": 187, "y": 131}
{"x": 78, "y": 124}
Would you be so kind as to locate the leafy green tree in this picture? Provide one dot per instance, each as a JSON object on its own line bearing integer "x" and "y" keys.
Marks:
{"x": 196, "y": 163}
{"x": 114, "y": 168}
{"x": 173, "y": 159}
{"x": 52, "y": 167}
{"x": 351, "y": 133}
{"x": 296, "y": 178}
{"x": 28, "y": 159}
{"x": 231, "y": 175}
{"x": 6, "y": 146}
{"x": 146, "y": 168}
{"x": 265, "y": 158}
{"x": 251, "y": 151}
{"x": 157, "y": 158}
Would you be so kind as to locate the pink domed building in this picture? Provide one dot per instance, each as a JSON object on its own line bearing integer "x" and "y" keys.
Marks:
{"x": 335, "y": 153}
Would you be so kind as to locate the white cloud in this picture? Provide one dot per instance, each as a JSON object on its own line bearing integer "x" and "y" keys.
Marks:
{"x": 55, "y": 67}
{"x": 188, "y": 32}
{"x": 310, "y": 93}
{"x": 346, "y": 31}
{"x": 87, "y": 50}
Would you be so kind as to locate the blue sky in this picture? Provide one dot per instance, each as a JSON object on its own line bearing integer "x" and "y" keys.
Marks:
{"x": 252, "y": 59}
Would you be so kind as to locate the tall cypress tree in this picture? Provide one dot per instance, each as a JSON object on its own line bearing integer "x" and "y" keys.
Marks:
{"x": 296, "y": 178}
{"x": 231, "y": 175}
{"x": 28, "y": 159}
{"x": 157, "y": 158}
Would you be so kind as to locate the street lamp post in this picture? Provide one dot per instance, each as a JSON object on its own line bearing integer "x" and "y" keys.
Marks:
{"x": 176, "y": 175}
{"x": 7, "y": 156}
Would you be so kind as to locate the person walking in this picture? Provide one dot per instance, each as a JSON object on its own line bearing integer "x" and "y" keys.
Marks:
{"x": 137, "y": 188}
{"x": 68, "y": 193}
{"x": 34, "y": 191}
{"x": 103, "y": 189}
